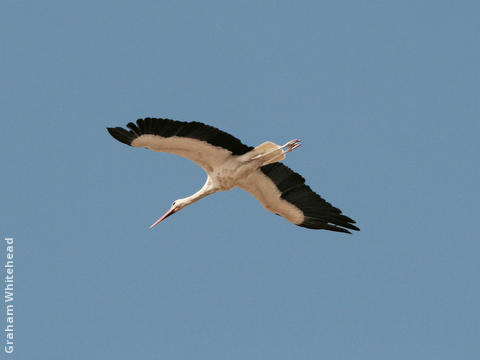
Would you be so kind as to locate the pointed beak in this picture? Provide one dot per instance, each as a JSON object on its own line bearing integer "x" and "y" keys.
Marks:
{"x": 167, "y": 214}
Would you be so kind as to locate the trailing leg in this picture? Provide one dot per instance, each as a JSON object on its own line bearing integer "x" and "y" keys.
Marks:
{"x": 270, "y": 152}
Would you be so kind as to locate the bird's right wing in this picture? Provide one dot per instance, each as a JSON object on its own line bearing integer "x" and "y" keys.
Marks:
{"x": 284, "y": 192}
{"x": 206, "y": 145}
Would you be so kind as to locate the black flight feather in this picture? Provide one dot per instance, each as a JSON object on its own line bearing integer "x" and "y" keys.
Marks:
{"x": 168, "y": 128}
{"x": 319, "y": 214}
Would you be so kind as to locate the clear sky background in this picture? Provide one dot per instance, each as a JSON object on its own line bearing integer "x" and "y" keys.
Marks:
{"x": 385, "y": 96}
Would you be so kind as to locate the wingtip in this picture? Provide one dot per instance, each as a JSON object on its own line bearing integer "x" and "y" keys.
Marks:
{"x": 111, "y": 131}
{"x": 121, "y": 135}
{"x": 355, "y": 228}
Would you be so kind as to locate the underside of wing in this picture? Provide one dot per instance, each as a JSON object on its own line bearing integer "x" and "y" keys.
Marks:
{"x": 284, "y": 192}
{"x": 201, "y": 143}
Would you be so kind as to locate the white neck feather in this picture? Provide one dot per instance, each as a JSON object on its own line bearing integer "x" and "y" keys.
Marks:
{"x": 207, "y": 189}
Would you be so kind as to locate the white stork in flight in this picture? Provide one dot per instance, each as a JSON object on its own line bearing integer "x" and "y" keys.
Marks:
{"x": 230, "y": 163}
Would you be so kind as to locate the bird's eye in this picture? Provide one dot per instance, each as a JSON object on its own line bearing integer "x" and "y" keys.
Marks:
{"x": 173, "y": 204}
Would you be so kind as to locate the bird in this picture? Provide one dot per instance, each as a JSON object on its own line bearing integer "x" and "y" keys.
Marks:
{"x": 229, "y": 163}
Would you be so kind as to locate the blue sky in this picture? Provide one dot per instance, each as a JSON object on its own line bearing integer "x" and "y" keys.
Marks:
{"x": 384, "y": 95}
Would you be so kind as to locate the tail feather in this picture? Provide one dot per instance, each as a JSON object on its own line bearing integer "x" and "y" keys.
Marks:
{"x": 269, "y": 152}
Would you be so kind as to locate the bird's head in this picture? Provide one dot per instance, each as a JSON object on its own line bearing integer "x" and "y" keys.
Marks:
{"x": 177, "y": 205}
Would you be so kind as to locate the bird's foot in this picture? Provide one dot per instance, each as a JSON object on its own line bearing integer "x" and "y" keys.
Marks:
{"x": 278, "y": 153}
{"x": 291, "y": 145}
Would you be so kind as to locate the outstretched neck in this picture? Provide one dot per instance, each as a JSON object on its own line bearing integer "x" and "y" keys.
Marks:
{"x": 207, "y": 189}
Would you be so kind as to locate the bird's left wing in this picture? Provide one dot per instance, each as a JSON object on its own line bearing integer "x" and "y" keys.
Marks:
{"x": 205, "y": 145}
{"x": 284, "y": 192}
